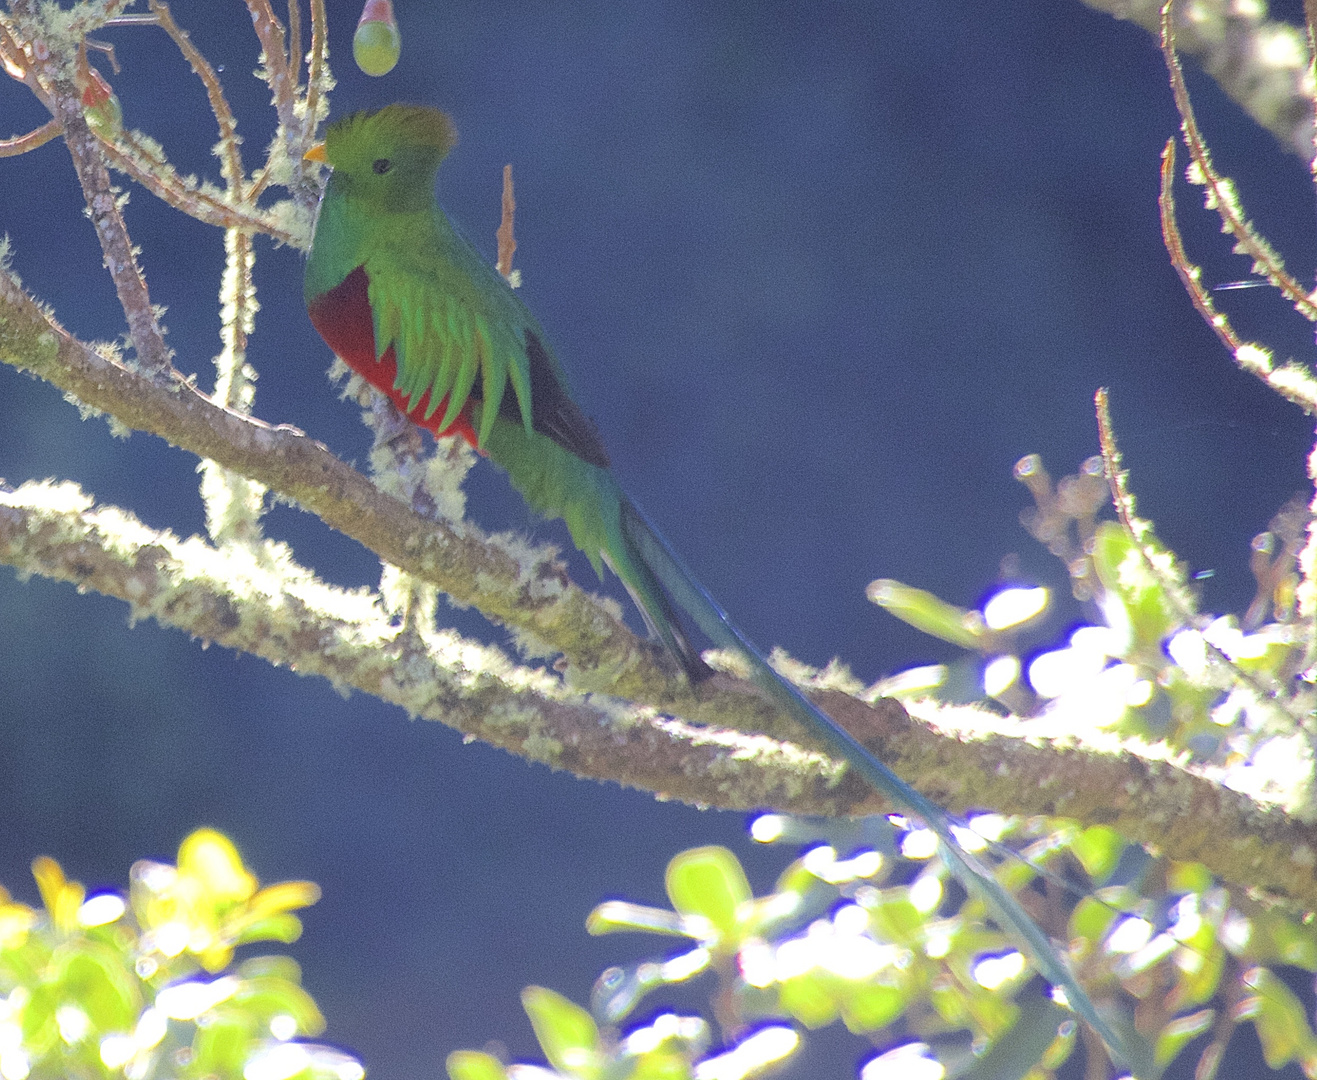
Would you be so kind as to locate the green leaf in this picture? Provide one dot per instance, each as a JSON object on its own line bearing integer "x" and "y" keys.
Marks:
{"x": 1024, "y": 1046}
{"x": 1280, "y": 939}
{"x": 280, "y": 967}
{"x": 566, "y": 1032}
{"x": 894, "y": 918}
{"x": 993, "y": 1013}
{"x": 1098, "y": 851}
{"x": 1280, "y": 1019}
{"x": 285, "y": 927}
{"x": 1121, "y": 568}
{"x": 1091, "y": 919}
{"x": 809, "y": 999}
{"x": 209, "y": 858}
{"x": 926, "y": 612}
{"x": 665, "y": 1063}
{"x": 1180, "y": 1031}
{"x": 268, "y": 996}
{"x": 40, "y": 1032}
{"x": 93, "y": 977}
{"x": 870, "y": 1006}
{"x": 1187, "y": 877}
{"x": 709, "y": 882}
{"x": 473, "y": 1065}
{"x": 618, "y": 916}
{"x": 1200, "y": 972}
{"x": 1191, "y": 711}
{"x": 949, "y": 1000}
{"x": 222, "y": 1047}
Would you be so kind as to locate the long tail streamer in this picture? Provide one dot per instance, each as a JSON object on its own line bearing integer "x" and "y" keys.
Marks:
{"x": 977, "y": 878}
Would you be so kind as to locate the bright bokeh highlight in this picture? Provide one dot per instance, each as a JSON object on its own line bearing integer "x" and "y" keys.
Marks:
{"x": 764, "y": 1047}
{"x": 910, "y": 1062}
{"x": 1010, "y": 607}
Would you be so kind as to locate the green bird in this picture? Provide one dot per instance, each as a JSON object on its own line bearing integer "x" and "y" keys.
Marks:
{"x": 411, "y": 306}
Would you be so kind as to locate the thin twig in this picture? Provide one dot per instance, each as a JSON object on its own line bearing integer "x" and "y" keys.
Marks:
{"x": 507, "y": 242}
{"x": 238, "y": 308}
{"x": 294, "y": 42}
{"x": 1292, "y": 381}
{"x": 315, "y": 70}
{"x": 1221, "y": 195}
{"x": 9, "y": 61}
{"x": 132, "y": 157}
{"x": 21, "y": 144}
{"x": 231, "y": 157}
{"x": 56, "y": 74}
{"x": 107, "y": 50}
{"x": 1190, "y": 274}
{"x": 1117, "y": 480}
{"x": 1310, "y": 24}
{"x": 233, "y": 502}
{"x": 102, "y": 202}
{"x": 18, "y": 63}
{"x": 1173, "y": 590}
{"x": 259, "y": 183}
{"x": 271, "y": 33}
{"x": 132, "y": 20}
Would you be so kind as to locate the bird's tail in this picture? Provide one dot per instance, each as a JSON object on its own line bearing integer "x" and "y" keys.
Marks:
{"x": 652, "y": 600}
{"x": 667, "y": 567}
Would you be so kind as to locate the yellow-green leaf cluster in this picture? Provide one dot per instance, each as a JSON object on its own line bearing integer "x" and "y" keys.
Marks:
{"x": 113, "y": 986}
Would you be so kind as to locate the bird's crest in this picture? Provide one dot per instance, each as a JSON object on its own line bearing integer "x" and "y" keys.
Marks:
{"x": 398, "y": 126}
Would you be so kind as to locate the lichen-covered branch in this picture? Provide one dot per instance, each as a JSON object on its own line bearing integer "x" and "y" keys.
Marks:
{"x": 54, "y": 71}
{"x": 1260, "y": 62}
{"x": 231, "y": 153}
{"x": 257, "y": 599}
{"x": 528, "y": 591}
{"x": 134, "y": 155}
{"x": 991, "y": 761}
{"x": 317, "y": 71}
{"x": 21, "y": 144}
{"x": 233, "y": 502}
{"x": 275, "y": 68}
{"x": 1291, "y": 380}
{"x": 1220, "y": 192}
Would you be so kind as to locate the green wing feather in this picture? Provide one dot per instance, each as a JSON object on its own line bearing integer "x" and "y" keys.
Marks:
{"x": 457, "y": 330}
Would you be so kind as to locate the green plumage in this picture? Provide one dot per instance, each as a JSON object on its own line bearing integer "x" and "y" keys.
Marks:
{"x": 449, "y": 316}
{"x": 389, "y": 280}
{"x": 460, "y": 335}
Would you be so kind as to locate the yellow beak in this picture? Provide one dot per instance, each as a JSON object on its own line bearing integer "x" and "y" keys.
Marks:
{"x": 317, "y": 154}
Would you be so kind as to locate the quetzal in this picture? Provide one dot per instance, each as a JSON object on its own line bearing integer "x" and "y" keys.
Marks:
{"x": 411, "y": 306}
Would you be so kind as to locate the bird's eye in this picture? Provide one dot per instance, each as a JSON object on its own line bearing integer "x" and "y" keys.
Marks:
{"x": 380, "y": 166}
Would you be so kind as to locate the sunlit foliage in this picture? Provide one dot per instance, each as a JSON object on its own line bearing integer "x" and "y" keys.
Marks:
{"x": 145, "y": 983}
{"x": 864, "y": 928}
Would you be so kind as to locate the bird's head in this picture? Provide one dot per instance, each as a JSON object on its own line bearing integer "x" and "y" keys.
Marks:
{"x": 389, "y": 156}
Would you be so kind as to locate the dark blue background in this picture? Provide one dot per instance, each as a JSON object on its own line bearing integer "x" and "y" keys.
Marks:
{"x": 821, "y": 272}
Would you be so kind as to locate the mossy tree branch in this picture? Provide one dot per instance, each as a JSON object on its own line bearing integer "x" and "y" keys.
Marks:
{"x": 255, "y": 598}
{"x": 619, "y": 712}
